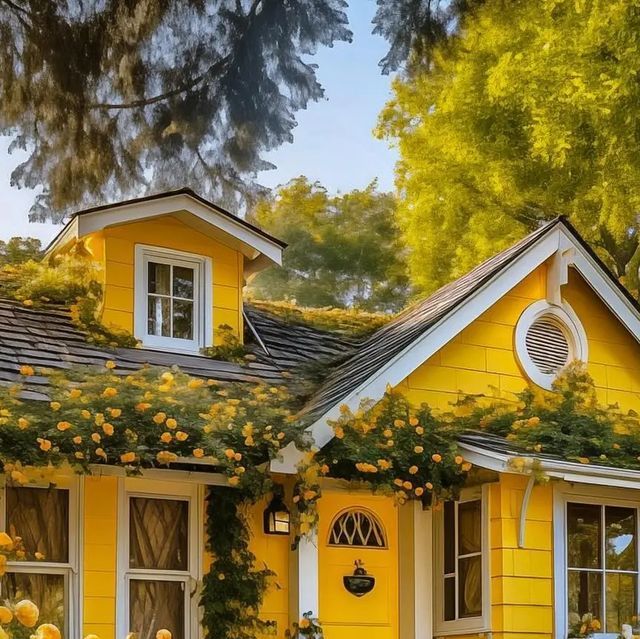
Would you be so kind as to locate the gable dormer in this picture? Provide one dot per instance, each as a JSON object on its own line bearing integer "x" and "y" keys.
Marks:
{"x": 174, "y": 266}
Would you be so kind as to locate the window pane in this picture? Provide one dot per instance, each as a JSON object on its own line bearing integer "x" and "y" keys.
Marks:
{"x": 449, "y": 598}
{"x": 46, "y": 591}
{"x": 183, "y": 319}
{"x": 159, "y": 316}
{"x": 583, "y": 524}
{"x": 154, "y": 605}
{"x": 449, "y": 538}
{"x": 159, "y": 278}
{"x": 585, "y": 594}
{"x": 183, "y": 282}
{"x": 158, "y": 533}
{"x": 470, "y": 587}
{"x": 621, "y": 600}
{"x": 469, "y": 527}
{"x": 41, "y": 517}
{"x": 620, "y": 546}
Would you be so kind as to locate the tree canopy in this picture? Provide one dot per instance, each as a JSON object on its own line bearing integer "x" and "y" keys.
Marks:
{"x": 530, "y": 111}
{"x": 344, "y": 250}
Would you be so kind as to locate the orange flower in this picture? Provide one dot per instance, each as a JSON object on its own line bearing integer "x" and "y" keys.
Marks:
{"x": 238, "y": 456}
{"x": 171, "y": 423}
{"x": 55, "y": 405}
{"x": 62, "y": 426}
{"x": 45, "y": 444}
{"x": 142, "y": 406}
{"x": 110, "y": 364}
{"x": 77, "y": 440}
{"x": 181, "y": 436}
{"x": 128, "y": 458}
{"x": 109, "y": 391}
{"x": 100, "y": 453}
{"x": 413, "y": 421}
{"x": 195, "y": 383}
{"x": 27, "y": 613}
{"x": 234, "y": 481}
{"x": 407, "y": 484}
{"x": 107, "y": 428}
{"x": 458, "y": 459}
{"x": 387, "y": 433}
{"x": 115, "y": 412}
{"x": 23, "y": 423}
{"x": 419, "y": 430}
{"x": 166, "y": 437}
{"x": 229, "y": 453}
{"x": 159, "y": 418}
{"x": 419, "y": 491}
{"x": 413, "y": 470}
{"x": 26, "y": 370}
{"x": 466, "y": 467}
{"x": 437, "y": 458}
{"x": 418, "y": 449}
{"x": 429, "y": 486}
{"x": 398, "y": 423}
{"x": 74, "y": 393}
{"x": 198, "y": 452}
{"x": 96, "y": 437}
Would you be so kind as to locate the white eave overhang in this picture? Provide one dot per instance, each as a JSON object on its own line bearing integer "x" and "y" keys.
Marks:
{"x": 259, "y": 249}
{"x": 572, "y": 472}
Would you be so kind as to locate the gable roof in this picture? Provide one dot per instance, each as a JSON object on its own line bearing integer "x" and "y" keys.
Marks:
{"x": 395, "y": 350}
{"x": 258, "y": 246}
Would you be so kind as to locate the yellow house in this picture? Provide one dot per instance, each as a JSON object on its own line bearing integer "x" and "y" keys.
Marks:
{"x": 128, "y": 553}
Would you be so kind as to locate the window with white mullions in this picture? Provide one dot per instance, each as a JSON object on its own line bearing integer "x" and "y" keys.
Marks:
{"x": 602, "y": 564}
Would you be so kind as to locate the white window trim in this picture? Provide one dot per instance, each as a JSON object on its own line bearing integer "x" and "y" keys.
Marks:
{"x": 580, "y": 493}
{"x": 72, "y": 570}
{"x": 203, "y": 298}
{"x": 573, "y": 329}
{"x": 481, "y": 623}
{"x": 193, "y": 494}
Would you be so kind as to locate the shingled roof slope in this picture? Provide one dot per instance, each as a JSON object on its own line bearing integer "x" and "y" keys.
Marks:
{"x": 47, "y": 338}
{"x": 390, "y": 340}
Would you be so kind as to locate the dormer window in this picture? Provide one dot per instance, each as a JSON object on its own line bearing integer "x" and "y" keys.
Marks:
{"x": 172, "y": 307}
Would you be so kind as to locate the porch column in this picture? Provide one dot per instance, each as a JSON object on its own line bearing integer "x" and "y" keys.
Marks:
{"x": 416, "y": 576}
{"x": 304, "y": 582}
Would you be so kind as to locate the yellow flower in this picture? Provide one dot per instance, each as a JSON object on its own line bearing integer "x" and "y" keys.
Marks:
{"x": 167, "y": 376}
{"x": 159, "y": 418}
{"x": 234, "y": 481}
{"x": 437, "y": 458}
{"x": 55, "y": 405}
{"x": 407, "y": 484}
{"x": 221, "y": 576}
{"x": 339, "y": 432}
{"x": 5, "y": 541}
{"x": 458, "y": 459}
{"x": 163, "y": 634}
{"x": 181, "y": 436}
{"x": 18, "y": 477}
{"x": 79, "y": 455}
{"x": 164, "y": 388}
{"x": 384, "y": 464}
{"x": 304, "y": 623}
{"x": 195, "y": 383}
{"x": 419, "y": 491}
{"x": 429, "y": 486}
{"x": 23, "y": 423}
{"x": 142, "y": 406}
{"x": 413, "y": 421}
{"x": 239, "y": 470}
{"x": 62, "y": 426}
{"x": 26, "y": 370}
{"x": 533, "y": 421}
{"x": 99, "y": 419}
{"x": 398, "y": 423}
{"x": 74, "y": 393}
{"x": 238, "y": 456}
{"x": 413, "y": 470}
{"x": 77, "y": 439}
{"x": 166, "y": 437}
{"x": 128, "y": 458}
{"x": 109, "y": 391}
{"x": 115, "y": 412}
{"x": 418, "y": 449}
{"x": 387, "y": 433}
{"x": 466, "y": 467}
{"x": 96, "y": 437}
{"x": 229, "y": 453}
{"x": 198, "y": 452}
{"x": 100, "y": 453}
{"x": 45, "y": 444}
{"x": 27, "y": 613}
{"x": 171, "y": 423}
{"x": 6, "y": 615}
{"x": 110, "y": 364}
{"x": 166, "y": 457}
{"x": 27, "y": 302}
{"x": 85, "y": 413}
{"x": 107, "y": 428}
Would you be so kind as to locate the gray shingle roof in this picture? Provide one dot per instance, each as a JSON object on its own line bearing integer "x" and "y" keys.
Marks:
{"x": 390, "y": 340}
{"x": 47, "y": 338}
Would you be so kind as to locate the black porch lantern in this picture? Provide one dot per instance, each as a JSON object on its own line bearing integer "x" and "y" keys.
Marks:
{"x": 276, "y": 517}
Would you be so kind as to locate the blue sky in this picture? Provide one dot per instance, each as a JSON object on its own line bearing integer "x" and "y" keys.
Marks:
{"x": 333, "y": 142}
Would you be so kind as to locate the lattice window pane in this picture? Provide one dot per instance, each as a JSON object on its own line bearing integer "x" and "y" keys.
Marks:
{"x": 159, "y": 534}
{"x": 154, "y": 605}
{"x": 357, "y": 528}
{"x": 41, "y": 517}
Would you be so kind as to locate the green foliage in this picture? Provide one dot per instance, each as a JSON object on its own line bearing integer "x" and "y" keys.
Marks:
{"x": 235, "y": 586}
{"x": 343, "y": 250}
{"x": 229, "y": 347}
{"x": 109, "y": 97}
{"x": 308, "y": 626}
{"x": 20, "y": 249}
{"x": 529, "y": 112}
{"x": 568, "y": 423}
{"x": 349, "y": 322}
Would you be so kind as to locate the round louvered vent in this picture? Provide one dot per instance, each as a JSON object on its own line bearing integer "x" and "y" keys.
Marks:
{"x": 547, "y": 345}
{"x": 548, "y": 337}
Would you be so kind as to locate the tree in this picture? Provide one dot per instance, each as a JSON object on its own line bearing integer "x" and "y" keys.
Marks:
{"x": 529, "y": 112}
{"x": 20, "y": 249}
{"x": 343, "y": 250}
{"x": 107, "y": 97}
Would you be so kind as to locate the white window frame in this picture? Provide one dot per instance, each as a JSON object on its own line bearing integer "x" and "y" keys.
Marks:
{"x": 568, "y": 321}
{"x": 598, "y": 496}
{"x": 71, "y": 570}
{"x": 193, "y": 494}
{"x": 202, "y": 302}
{"x": 482, "y": 622}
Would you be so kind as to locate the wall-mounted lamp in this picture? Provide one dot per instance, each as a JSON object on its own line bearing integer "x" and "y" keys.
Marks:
{"x": 276, "y": 517}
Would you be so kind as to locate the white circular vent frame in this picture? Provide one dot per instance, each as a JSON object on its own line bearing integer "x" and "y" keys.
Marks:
{"x": 547, "y": 338}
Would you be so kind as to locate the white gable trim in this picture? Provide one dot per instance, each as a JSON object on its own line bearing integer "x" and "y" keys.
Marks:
{"x": 255, "y": 243}
{"x": 558, "y": 239}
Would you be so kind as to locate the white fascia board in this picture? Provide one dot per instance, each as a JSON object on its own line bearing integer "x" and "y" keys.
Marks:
{"x": 66, "y": 235}
{"x": 403, "y": 364}
{"x": 572, "y": 472}
{"x": 98, "y": 220}
{"x": 606, "y": 290}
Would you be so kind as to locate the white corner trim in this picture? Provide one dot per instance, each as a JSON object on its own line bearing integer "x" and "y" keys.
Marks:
{"x": 570, "y": 325}
{"x": 423, "y": 571}
{"x": 308, "y": 576}
{"x": 288, "y": 460}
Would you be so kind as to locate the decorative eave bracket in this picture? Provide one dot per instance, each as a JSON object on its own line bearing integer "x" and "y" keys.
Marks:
{"x": 558, "y": 272}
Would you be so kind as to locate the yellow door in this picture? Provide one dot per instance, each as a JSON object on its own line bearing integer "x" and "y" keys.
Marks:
{"x": 347, "y": 520}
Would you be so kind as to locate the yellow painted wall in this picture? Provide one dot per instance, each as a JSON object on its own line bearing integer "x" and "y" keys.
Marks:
{"x": 99, "y": 556}
{"x": 344, "y": 616}
{"x": 115, "y": 248}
